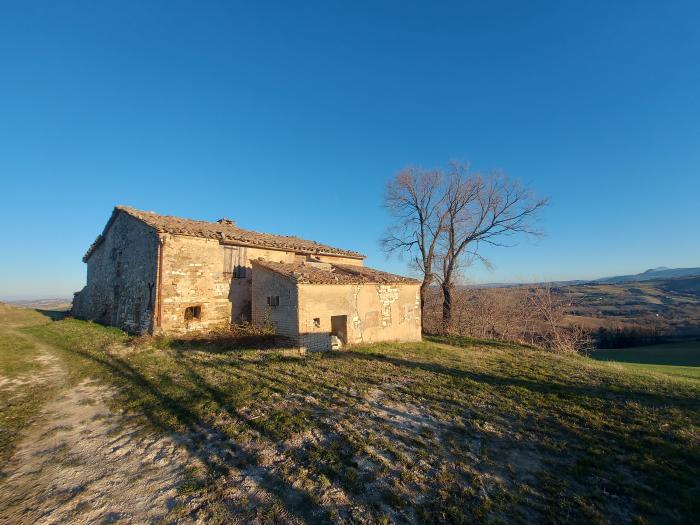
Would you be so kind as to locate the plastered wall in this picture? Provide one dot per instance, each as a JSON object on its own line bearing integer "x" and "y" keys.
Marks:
{"x": 387, "y": 312}
{"x": 374, "y": 312}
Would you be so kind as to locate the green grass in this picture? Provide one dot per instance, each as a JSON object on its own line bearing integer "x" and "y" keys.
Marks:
{"x": 31, "y": 383}
{"x": 470, "y": 431}
{"x": 17, "y": 355}
{"x": 685, "y": 372}
{"x": 20, "y": 395}
{"x": 678, "y": 359}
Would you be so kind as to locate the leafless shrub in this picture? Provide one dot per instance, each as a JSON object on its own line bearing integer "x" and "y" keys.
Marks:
{"x": 556, "y": 333}
{"x": 236, "y": 336}
{"x": 528, "y": 315}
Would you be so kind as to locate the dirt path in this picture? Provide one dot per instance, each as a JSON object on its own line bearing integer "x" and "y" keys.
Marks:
{"x": 80, "y": 462}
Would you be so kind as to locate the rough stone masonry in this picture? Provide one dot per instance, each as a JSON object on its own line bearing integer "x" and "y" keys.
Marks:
{"x": 150, "y": 273}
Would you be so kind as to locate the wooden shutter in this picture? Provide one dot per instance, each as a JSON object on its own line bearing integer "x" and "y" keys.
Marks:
{"x": 229, "y": 258}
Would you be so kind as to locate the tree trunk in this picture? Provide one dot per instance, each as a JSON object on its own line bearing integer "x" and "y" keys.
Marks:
{"x": 424, "y": 289}
{"x": 446, "y": 306}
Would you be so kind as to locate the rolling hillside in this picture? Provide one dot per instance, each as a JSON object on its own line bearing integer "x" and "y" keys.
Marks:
{"x": 652, "y": 274}
{"x": 670, "y": 306}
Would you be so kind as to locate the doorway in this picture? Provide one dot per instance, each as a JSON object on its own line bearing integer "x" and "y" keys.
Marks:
{"x": 339, "y": 327}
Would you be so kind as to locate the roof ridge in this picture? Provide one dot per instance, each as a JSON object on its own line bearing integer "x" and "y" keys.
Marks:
{"x": 226, "y": 232}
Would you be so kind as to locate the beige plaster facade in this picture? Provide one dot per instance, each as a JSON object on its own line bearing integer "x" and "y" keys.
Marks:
{"x": 374, "y": 312}
{"x": 308, "y": 313}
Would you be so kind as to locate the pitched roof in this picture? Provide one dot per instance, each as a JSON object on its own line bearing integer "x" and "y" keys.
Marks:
{"x": 225, "y": 230}
{"x": 331, "y": 273}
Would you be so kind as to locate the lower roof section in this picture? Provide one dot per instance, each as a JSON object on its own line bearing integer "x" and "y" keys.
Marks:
{"x": 309, "y": 272}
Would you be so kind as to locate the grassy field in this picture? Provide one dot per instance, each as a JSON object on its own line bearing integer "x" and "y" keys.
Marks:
{"x": 445, "y": 431}
{"x": 680, "y": 359}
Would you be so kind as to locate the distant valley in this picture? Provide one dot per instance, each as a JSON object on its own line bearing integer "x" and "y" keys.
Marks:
{"x": 657, "y": 305}
{"x": 669, "y": 307}
{"x": 55, "y": 304}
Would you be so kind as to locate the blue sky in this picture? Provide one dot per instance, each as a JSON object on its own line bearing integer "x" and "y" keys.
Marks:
{"x": 289, "y": 117}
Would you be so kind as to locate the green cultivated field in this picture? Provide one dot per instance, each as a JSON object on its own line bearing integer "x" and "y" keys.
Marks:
{"x": 445, "y": 431}
{"x": 679, "y": 359}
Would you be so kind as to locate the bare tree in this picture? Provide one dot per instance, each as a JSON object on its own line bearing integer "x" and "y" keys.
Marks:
{"x": 416, "y": 200}
{"x": 480, "y": 210}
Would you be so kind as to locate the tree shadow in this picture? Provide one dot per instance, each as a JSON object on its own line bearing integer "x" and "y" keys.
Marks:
{"x": 463, "y": 341}
{"x": 224, "y": 341}
{"x": 198, "y": 401}
{"x": 217, "y": 451}
{"x": 54, "y": 315}
{"x": 562, "y": 388}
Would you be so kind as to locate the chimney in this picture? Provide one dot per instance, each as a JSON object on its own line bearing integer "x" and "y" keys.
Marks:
{"x": 227, "y": 222}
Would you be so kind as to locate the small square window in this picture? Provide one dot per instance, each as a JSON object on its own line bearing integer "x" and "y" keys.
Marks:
{"x": 193, "y": 313}
{"x": 317, "y": 322}
{"x": 273, "y": 300}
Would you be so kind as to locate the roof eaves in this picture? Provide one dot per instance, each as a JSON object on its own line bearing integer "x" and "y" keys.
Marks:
{"x": 297, "y": 249}
{"x": 261, "y": 262}
{"x": 101, "y": 237}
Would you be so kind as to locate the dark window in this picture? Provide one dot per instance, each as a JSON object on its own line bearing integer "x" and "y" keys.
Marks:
{"x": 273, "y": 300}
{"x": 317, "y": 322}
{"x": 193, "y": 313}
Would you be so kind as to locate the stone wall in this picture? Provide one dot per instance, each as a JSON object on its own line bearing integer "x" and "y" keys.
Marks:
{"x": 121, "y": 277}
{"x": 241, "y": 291}
{"x": 194, "y": 276}
{"x": 122, "y": 287}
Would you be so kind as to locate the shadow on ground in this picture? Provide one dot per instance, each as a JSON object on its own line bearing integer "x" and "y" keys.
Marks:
{"x": 405, "y": 434}
{"x": 54, "y": 315}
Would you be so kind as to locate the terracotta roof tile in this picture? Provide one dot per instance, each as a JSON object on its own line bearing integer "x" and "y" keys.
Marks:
{"x": 226, "y": 231}
{"x": 331, "y": 273}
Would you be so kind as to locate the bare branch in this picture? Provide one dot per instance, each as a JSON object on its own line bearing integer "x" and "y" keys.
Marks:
{"x": 485, "y": 210}
{"x": 441, "y": 221}
{"x": 415, "y": 199}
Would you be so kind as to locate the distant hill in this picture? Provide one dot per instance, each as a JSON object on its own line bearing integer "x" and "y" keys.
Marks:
{"x": 663, "y": 301}
{"x": 652, "y": 274}
{"x": 56, "y": 304}
{"x": 661, "y": 272}
{"x": 669, "y": 306}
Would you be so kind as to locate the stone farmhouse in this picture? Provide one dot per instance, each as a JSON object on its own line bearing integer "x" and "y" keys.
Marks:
{"x": 150, "y": 273}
